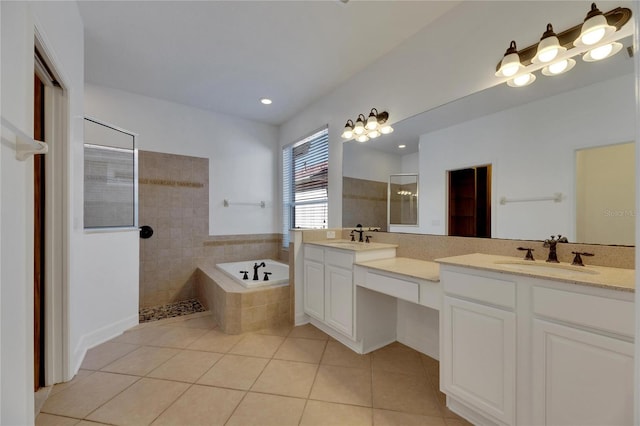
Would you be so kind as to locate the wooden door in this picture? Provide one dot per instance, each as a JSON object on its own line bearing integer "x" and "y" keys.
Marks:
{"x": 470, "y": 202}
{"x": 38, "y": 236}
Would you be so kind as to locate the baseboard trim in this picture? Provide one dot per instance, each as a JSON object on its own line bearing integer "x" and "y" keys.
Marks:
{"x": 100, "y": 336}
{"x": 301, "y": 319}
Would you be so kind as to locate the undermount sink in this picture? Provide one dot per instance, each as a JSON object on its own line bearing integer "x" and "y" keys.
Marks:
{"x": 558, "y": 269}
{"x": 345, "y": 244}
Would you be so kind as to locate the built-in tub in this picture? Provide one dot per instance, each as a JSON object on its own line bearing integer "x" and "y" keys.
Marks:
{"x": 239, "y": 309}
{"x": 279, "y": 272}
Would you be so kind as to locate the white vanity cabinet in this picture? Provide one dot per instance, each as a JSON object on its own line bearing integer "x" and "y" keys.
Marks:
{"x": 531, "y": 349}
{"x": 314, "y": 282}
{"x": 582, "y": 358}
{"x": 478, "y": 351}
{"x": 329, "y": 290}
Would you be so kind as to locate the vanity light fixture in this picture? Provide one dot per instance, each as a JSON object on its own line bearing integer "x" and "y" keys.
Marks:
{"x": 548, "y": 48}
{"x": 367, "y": 128}
{"x": 594, "y": 28}
{"x": 595, "y": 39}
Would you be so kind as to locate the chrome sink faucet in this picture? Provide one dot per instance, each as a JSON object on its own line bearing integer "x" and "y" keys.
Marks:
{"x": 551, "y": 243}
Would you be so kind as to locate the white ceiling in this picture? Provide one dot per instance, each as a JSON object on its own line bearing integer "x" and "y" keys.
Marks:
{"x": 225, "y": 55}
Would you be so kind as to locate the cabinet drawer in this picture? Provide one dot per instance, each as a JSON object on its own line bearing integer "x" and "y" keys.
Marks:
{"x": 484, "y": 289}
{"x": 341, "y": 258}
{"x": 612, "y": 315}
{"x": 313, "y": 253}
{"x": 402, "y": 289}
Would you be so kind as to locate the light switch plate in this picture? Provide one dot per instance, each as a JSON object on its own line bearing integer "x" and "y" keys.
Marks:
{"x": 331, "y": 234}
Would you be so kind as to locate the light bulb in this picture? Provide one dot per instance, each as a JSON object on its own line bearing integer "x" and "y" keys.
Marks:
{"x": 509, "y": 70}
{"x": 548, "y": 55}
{"x": 522, "y": 80}
{"x": 372, "y": 121}
{"x": 592, "y": 37}
{"x": 362, "y": 138}
{"x": 359, "y": 128}
{"x": 510, "y": 64}
{"x": 347, "y": 134}
{"x": 548, "y": 47}
{"x": 386, "y": 129}
{"x": 558, "y": 67}
{"x": 601, "y": 52}
{"x": 373, "y": 134}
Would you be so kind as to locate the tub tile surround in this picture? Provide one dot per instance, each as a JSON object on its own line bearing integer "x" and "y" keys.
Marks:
{"x": 299, "y": 377}
{"x": 238, "y": 311}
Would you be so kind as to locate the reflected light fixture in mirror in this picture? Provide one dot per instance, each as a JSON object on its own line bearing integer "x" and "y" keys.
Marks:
{"x": 368, "y": 128}
{"x": 596, "y": 39}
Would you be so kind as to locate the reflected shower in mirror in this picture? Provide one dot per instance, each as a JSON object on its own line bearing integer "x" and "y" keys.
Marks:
{"x": 402, "y": 200}
{"x": 530, "y": 135}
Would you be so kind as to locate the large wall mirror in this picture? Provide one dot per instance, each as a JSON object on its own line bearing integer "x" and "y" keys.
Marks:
{"x": 537, "y": 140}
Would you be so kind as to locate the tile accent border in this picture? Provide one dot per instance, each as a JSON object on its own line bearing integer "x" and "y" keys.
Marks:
{"x": 167, "y": 182}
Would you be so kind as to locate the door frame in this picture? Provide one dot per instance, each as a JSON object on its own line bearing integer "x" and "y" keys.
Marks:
{"x": 56, "y": 221}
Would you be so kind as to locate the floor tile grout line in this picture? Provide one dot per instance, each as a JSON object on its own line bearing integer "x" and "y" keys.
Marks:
{"x": 173, "y": 402}
{"x": 113, "y": 397}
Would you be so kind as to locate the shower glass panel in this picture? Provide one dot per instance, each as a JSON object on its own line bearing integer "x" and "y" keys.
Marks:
{"x": 110, "y": 177}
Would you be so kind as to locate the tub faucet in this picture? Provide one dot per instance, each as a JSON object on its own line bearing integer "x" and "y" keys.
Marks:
{"x": 551, "y": 243}
{"x": 255, "y": 270}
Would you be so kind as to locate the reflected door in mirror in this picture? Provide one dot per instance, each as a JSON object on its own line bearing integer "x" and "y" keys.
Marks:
{"x": 470, "y": 202}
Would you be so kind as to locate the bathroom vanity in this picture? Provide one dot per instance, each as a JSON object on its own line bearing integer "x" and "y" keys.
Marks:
{"x": 519, "y": 342}
{"x": 329, "y": 290}
{"x": 536, "y": 343}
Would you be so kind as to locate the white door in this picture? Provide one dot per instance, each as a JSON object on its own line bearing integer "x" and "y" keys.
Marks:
{"x": 314, "y": 289}
{"x": 479, "y": 357}
{"x": 580, "y": 378}
{"x": 339, "y": 299}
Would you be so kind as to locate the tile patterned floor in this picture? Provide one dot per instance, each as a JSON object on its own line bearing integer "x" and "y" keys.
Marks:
{"x": 186, "y": 372}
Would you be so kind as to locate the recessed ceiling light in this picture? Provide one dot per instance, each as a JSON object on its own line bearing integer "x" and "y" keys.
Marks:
{"x": 402, "y": 146}
{"x": 266, "y": 101}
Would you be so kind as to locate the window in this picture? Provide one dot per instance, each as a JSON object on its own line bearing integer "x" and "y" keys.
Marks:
{"x": 304, "y": 183}
{"x": 110, "y": 177}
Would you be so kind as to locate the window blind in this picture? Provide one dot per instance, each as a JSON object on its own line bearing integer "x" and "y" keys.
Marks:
{"x": 305, "y": 183}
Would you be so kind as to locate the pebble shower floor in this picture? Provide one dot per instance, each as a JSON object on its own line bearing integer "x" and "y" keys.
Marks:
{"x": 170, "y": 310}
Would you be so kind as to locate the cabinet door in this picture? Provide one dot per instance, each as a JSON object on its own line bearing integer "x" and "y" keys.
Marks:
{"x": 478, "y": 360}
{"x": 339, "y": 299}
{"x": 580, "y": 378}
{"x": 314, "y": 289}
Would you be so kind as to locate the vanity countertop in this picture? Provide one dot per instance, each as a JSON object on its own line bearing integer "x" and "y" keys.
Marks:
{"x": 597, "y": 276}
{"x": 414, "y": 268}
{"x": 351, "y": 245}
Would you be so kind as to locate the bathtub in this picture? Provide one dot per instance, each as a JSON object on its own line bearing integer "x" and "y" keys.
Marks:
{"x": 279, "y": 272}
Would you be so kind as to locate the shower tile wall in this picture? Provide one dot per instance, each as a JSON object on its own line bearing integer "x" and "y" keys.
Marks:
{"x": 174, "y": 201}
{"x": 364, "y": 202}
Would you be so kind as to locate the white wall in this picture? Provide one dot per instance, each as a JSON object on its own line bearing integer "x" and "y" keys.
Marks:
{"x": 96, "y": 308}
{"x": 241, "y": 153}
{"x": 454, "y": 57}
{"x": 362, "y": 162}
{"x": 528, "y": 160}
